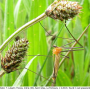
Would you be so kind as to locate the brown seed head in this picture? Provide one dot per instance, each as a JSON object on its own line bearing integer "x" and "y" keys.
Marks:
{"x": 63, "y": 10}
{"x": 15, "y": 55}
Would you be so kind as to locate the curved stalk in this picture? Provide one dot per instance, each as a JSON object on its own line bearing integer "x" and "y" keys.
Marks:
{"x": 25, "y": 26}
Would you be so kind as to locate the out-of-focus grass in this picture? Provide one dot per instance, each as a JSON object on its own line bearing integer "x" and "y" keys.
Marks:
{"x": 74, "y": 71}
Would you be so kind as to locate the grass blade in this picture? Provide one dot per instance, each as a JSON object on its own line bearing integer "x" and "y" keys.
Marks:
{"x": 19, "y": 80}
{"x": 63, "y": 79}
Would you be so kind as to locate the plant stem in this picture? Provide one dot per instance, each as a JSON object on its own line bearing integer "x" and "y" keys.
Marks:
{"x": 73, "y": 46}
{"x": 25, "y": 26}
{"x": 2, "y": 72}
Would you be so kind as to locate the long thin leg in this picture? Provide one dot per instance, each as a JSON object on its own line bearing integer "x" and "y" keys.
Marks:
{"x": 72, "y": 35}
{"x": 52, "y": 35}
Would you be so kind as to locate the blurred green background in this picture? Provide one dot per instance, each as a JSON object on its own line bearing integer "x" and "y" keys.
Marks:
{"x": 74, "y": 71}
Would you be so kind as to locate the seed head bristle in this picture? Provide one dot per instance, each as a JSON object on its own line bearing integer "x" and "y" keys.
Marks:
{"x": 14, "y": 55}
{"x": 63, "y": 10}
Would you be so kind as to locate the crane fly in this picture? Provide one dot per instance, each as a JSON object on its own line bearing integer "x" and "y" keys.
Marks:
{"x": 57, "y": 52}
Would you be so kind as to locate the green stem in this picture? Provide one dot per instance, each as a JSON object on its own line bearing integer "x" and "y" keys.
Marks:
{"x": 27, "y": 25}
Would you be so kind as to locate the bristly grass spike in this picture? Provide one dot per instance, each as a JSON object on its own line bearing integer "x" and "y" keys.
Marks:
{"x": 14, "y": 55}
{"x": 63, "y": 10}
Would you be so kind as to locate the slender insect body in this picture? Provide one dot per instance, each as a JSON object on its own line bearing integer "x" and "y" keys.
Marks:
{"x": 56, "y": 66}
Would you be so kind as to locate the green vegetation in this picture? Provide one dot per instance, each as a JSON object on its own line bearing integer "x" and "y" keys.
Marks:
{"x": 75, "y": 71}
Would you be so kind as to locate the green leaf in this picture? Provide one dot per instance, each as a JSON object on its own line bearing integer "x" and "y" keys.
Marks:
{"x": 8, "y": 29}
{"x": 27, "y": 5}
{"x": 16, "y": 11}
{"x": 86, "y": 64}
{"x": 19, "y": 80}
{"x": 78, "y": 55}
{"x": 85, "y": 80}
{"x": 62, "y": 79}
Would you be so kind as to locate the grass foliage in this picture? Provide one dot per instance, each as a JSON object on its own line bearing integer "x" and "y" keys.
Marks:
{"x": 73, "y": 72}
